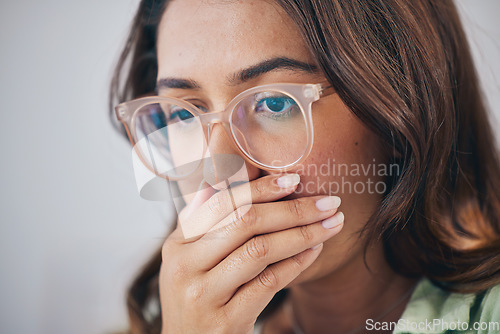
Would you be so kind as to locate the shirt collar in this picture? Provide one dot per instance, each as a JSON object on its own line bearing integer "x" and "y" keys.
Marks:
{"x": 431, "y": 310}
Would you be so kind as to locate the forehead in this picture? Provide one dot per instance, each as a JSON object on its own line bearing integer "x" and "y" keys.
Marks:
{"x": 215, "y": 38}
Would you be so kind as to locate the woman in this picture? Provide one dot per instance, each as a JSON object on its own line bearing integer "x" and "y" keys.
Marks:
{"x": 397, "y": 104}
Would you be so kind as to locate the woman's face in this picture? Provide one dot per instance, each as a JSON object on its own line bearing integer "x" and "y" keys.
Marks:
{"x": 209, "y": 41}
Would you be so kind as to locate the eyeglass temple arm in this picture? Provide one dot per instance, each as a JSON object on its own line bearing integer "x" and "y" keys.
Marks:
{"x": 325, "y": 89}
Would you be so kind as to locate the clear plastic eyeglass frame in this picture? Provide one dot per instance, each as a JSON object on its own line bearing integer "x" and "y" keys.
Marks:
{"x": 303, "y": 94}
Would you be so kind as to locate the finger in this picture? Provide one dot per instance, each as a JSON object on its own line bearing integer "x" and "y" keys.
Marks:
{"x": 262, "y": 218}
{"x": 249, "y": 301}
{"x": 204, "y": 192}
{"x": 221, "y": 204}
{"x": 255, "y": 255}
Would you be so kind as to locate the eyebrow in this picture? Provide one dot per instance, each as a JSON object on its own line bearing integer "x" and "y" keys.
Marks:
{"x": 271, "y": 65}
{"x": 177, "y": 83}
{"x": 245, "y": 74}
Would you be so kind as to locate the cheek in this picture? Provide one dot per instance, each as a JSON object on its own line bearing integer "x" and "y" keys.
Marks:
{"x": 345, "y": 153}
{"x": 347, "y": 161}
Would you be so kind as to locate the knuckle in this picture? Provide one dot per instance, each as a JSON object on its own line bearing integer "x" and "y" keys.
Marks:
{"x": 177, "y": 270}
{"x": 298, "y": 261}
{"x": 242, "y": 220}
{"x": 195, "y": 292}
{"x": 295, "y": 207}
{"x": 247, "y": 216}
{"x": 306, "y": 233}
{"x": 256, "y": 248}
{"x": 172, "y": 268}
{"x": 259, "y": 189}
{"x": 268, "y": 279}
{"x": 215, "y": 204}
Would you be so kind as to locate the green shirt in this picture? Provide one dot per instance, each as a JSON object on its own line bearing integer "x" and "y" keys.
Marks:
{"x": 433, "y": 310}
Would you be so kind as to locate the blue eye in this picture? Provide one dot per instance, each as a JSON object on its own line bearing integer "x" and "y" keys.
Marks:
{"x": 159, "y": 120}
{"x": 279, "y": 104}
{"x": 182, "y": 114}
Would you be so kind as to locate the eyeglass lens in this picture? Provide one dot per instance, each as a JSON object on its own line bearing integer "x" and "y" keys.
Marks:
{"x": 269, "y": 127}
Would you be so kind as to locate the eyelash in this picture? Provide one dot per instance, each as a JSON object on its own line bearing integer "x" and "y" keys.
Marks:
{"x": 195, "y": 102}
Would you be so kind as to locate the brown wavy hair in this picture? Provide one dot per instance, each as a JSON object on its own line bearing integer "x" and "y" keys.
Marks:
{"x": 404, "y": 68}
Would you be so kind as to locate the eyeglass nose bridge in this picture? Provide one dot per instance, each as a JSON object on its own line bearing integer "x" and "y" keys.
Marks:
{"x": 208, "y": 120}
{"x": 213, "y": 117}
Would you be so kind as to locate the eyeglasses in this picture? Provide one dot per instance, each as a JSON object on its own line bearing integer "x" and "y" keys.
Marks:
{"x": 271, "y": 125}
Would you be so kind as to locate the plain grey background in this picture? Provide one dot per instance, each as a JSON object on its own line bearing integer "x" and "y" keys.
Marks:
{"x": 73, "y": 229}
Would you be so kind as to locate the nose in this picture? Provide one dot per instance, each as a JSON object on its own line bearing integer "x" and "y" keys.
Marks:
{"x": 223, "y": 162}
{"x": 218, "y": 141}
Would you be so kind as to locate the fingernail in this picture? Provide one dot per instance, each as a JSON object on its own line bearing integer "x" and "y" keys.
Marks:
{"x": 328, "y": 203}
{"x": 317, "y": 246}
{"x": 288, "y": 180}
{"x": 334, "y": 221}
